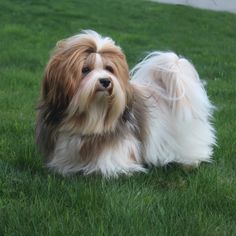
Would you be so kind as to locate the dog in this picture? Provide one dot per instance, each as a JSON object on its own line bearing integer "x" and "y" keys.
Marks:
{"x": 96, "y": 116}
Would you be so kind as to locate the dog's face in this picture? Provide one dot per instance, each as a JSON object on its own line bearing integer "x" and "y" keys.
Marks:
{"x": 86, "y": 84}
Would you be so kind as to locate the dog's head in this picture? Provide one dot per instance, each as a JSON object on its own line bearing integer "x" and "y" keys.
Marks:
{"x": 85, "y": 86}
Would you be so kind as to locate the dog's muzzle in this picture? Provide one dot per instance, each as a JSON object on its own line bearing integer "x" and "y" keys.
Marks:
{"x": 104, "y": 84}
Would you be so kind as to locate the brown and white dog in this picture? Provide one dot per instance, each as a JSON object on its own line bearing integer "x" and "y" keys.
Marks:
{"x": 93, "y": 118}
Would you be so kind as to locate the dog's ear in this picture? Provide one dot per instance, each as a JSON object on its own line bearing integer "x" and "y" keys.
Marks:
{"x": 57, "y": 90}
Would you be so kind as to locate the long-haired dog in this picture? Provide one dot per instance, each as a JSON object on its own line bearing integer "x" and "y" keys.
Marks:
{"x": 93, "y": 118}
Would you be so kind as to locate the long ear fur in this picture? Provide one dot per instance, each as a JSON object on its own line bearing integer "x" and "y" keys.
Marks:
{"x": 56, "y": 94}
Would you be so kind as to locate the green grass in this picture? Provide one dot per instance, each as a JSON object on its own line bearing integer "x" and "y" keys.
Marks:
{"x": 166, "y": 201}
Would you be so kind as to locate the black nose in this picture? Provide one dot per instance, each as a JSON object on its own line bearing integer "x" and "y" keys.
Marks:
{"x": 104, "y": 82}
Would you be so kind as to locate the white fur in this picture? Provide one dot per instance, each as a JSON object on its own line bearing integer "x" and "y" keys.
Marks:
{"x": 116, "y": 160}
{"x": 179, "y": 123}
{"x": 111, "y": 162}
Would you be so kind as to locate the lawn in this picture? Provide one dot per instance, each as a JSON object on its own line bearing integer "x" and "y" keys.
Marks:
{"x": 166, "y": 201}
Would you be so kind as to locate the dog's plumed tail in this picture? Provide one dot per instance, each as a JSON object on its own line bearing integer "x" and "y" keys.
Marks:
{"x": 175, "y": 82}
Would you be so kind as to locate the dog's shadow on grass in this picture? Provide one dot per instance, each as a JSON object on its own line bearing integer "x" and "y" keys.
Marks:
{"x": 172, "y": 176}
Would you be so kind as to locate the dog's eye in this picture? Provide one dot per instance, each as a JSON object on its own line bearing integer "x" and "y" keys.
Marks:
{"x": 110, "y": 69}
{"x": 86, "y": 70}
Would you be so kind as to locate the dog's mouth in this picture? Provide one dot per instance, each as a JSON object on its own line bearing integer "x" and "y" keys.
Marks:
{"x": 105, "y": 91}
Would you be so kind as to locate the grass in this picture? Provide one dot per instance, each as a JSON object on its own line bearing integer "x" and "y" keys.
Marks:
{"x": 166, "y": 201}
